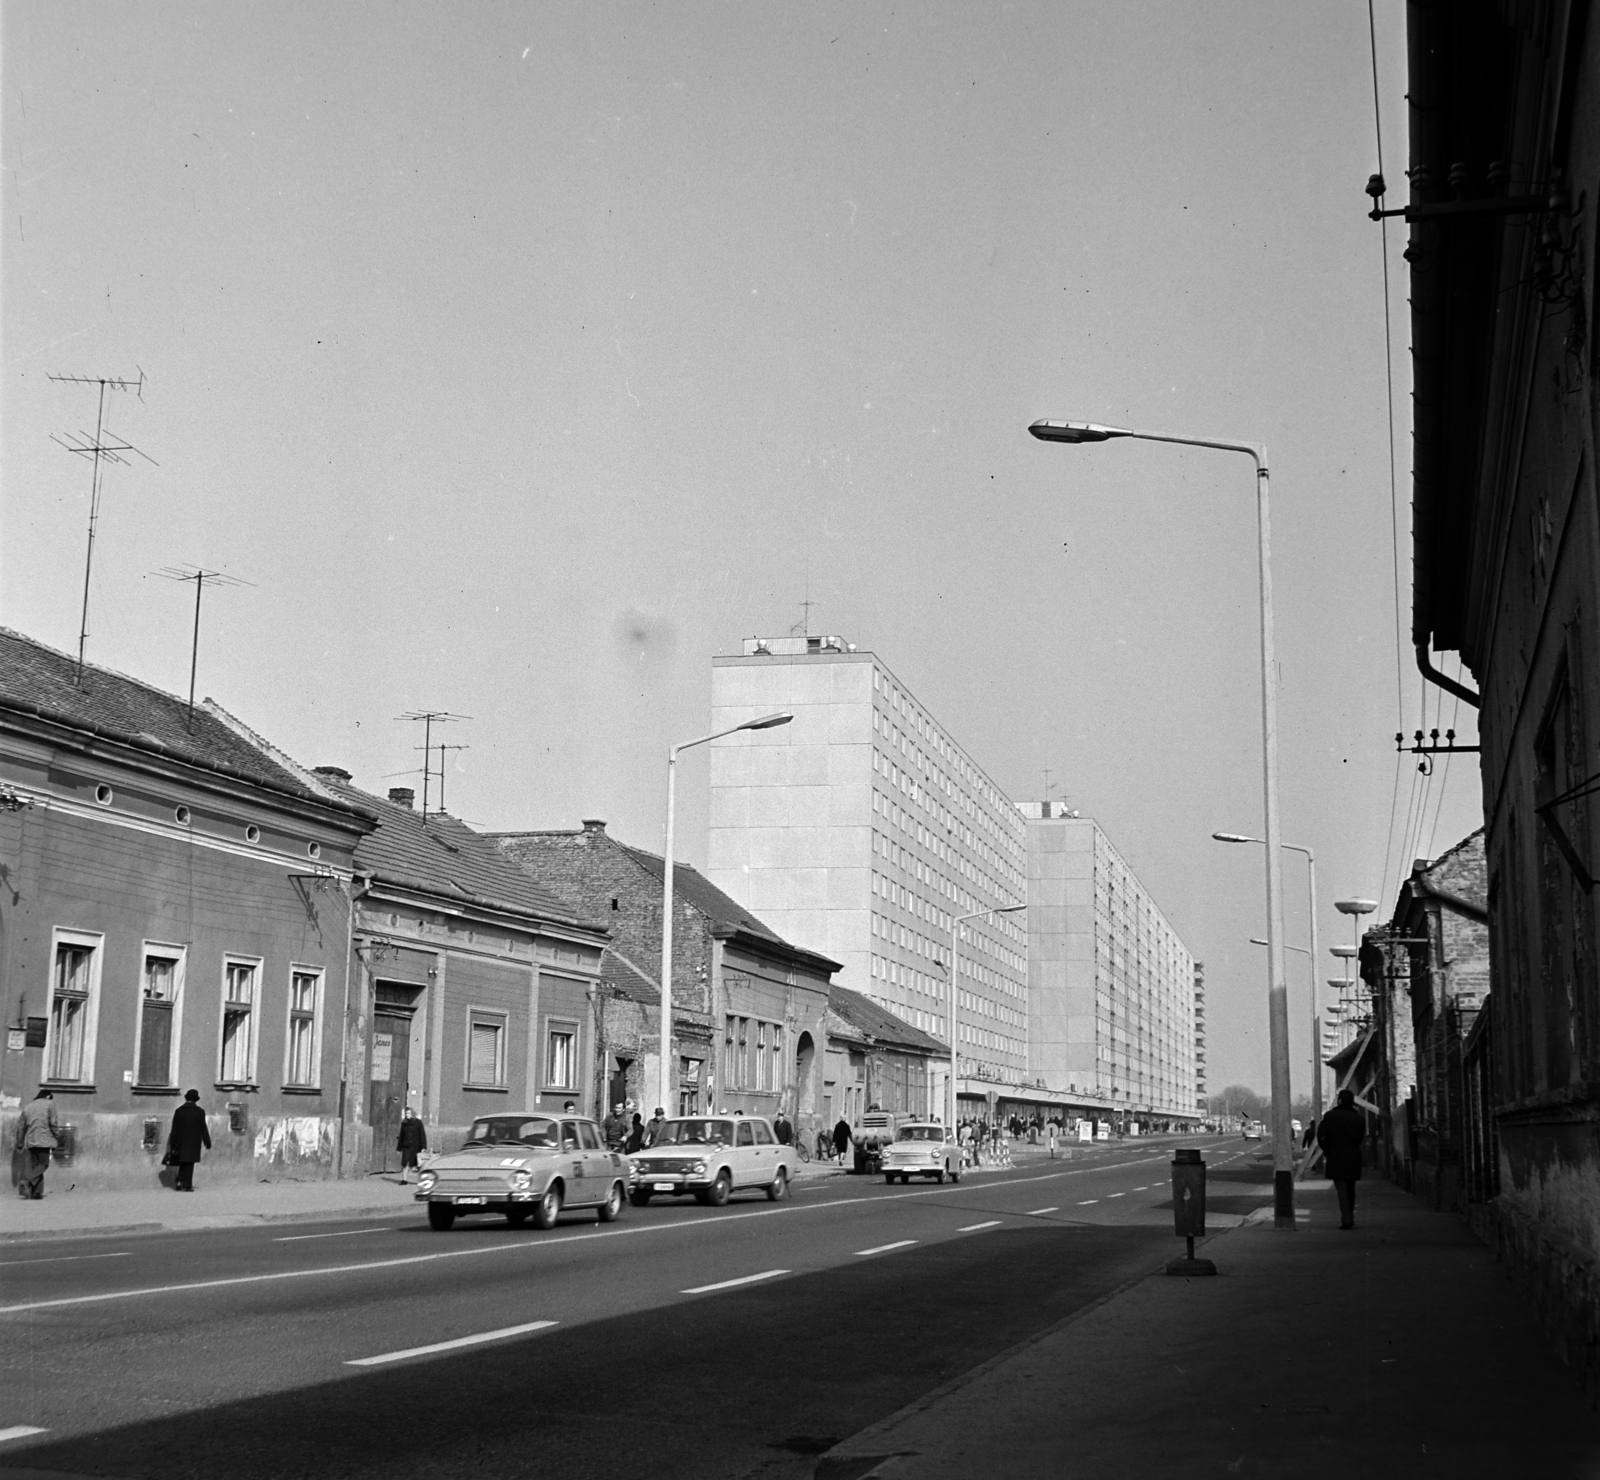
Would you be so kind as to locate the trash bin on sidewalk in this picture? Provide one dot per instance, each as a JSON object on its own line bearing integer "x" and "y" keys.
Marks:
{"x": 1189, "y": 1209}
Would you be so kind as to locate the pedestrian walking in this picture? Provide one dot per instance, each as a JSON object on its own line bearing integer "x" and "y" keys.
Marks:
{"x": 783, "y": 1130}
{"x": 413, "y": 1139}
{"x": 1340, "y": 1133}
{"x": 616, "y": 1128}
{"x": 653, "y": 1130}
{"x": 841, "y": 1139}
{"x": 38, "y": 1134}
{"x": 635, "y": 1141}
{"x": 187, "y": 1136}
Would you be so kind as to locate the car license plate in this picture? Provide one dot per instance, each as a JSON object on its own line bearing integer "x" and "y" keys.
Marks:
{"x": 477, "y": 1200}
{"x": 666, "y": 1187}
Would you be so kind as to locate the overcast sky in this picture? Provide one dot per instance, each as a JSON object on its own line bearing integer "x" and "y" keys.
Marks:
{"x": 525, "y": 356}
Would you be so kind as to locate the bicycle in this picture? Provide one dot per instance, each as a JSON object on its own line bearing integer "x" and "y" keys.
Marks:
{"x": 801, "y": 1150}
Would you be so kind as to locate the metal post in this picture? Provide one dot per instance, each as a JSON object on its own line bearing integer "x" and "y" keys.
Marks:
{"x": 1316, "y": 996}
{"x": 194, "y": 653}
{"x": 664, "y": 1079}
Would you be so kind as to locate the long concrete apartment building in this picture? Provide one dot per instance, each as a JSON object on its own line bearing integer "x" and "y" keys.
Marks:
{"x": 863, "y": 829}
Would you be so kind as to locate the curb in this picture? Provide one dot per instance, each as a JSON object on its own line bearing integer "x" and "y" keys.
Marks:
{"x": 203, "y": 1222}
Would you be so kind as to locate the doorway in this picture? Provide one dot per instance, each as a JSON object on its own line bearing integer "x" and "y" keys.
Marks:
{"x": 389, "y": 1085}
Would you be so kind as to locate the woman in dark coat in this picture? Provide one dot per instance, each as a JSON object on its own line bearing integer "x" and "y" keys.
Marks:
{"x": 636, "y": 1135}
{"x": 412, "y": 1140}
{"x": 841, "y": 1139}
{"x": 188, "y": 1135}
{"x": 1340, "y": 1134}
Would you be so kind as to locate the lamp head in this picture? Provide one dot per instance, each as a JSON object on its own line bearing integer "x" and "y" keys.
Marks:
{"x": 1234, "y": 838}
{"x": 1345, "y": 953}
{"x": 1355, "y": 906}
{"x": 767, "y": 722}
{"x": 1075, "y": 431}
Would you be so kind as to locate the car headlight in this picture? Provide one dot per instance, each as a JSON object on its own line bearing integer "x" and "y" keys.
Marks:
{"x": 425, "y": 1181}
{"x": 699, "y": 1168}
{"x": 521, "y": 1181}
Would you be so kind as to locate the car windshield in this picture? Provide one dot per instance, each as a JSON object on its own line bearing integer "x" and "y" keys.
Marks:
{"x": 512, "y": 1130}
{"x": 695, "y": 1133}
{"x": 920, "y": 1133}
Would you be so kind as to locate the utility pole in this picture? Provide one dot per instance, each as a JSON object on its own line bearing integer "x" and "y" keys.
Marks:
{"x": 201, "y": 579}
{"x": 101, "y": 448}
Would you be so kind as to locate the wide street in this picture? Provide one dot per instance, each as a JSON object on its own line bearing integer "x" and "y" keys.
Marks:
{"x": 681, "y": 1340}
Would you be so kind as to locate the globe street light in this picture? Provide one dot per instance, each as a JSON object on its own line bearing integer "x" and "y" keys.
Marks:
{"x": 664, "y": 1079}
{"x": 1316, "y": 1011}
{"x": 1277, "y": 985}
{"x": 955, "y": 940}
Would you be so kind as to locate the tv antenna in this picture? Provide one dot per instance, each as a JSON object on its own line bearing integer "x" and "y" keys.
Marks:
{"x": 441, "y": 748}
{"x": 201, "y": 578}
{"x": 101, "y": 448}
{"x": 428, "y": 718}
{"x": 804, "y": 624}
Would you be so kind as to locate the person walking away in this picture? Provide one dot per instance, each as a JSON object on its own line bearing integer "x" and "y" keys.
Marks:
{"x": 413, "y": 1138}
{"x": 1340, "y": 1134}
{"x": 188, "y": 1135}
{"x": 635, "y": 1135}
{"x": 38, "y": 1134}
{"x": 841, "y": 1139}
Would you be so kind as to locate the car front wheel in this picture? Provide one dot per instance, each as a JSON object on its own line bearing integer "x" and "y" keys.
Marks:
{"x": 778, "y": 1186}
{"x": 611, "y": 1208}
{"x": 548, "y": 1208}
{"x": 938, "y": 1176}
{"x": 640, "y": 1197}
{"x": 441, "y": 1217}
{"x": 717, "y": 1192}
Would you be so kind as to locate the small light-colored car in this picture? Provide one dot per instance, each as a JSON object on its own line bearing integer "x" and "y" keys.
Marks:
{"x": 922, "y": 1149}
{"x": 711, "y": 1156}
{"x": 1253, "y": 1130}
{"x": 525, "y": 1165}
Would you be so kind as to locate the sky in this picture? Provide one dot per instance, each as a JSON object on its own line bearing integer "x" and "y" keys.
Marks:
{"x": 521, "y": 358}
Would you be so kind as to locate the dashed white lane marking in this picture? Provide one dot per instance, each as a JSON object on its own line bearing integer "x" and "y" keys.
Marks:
{"x": 974, "y": 1227}
{"x": 904, "y": 1243}
{"x": 450, "y": 1346}
{"x": 748, "y": 1279}
{"x": 1142, "y": 1189}
{"x": 1087, "y": 1201}
{"x": 298, "y": 1238}
{"x": 1037, "y": 1212}
{"x": 1111, "y": 1195}
{"x": 20, "y": 1431}
{"x": 65, "y": 1259}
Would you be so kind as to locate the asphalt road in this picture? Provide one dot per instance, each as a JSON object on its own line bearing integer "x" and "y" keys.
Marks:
{"x": 682, "y": 1340}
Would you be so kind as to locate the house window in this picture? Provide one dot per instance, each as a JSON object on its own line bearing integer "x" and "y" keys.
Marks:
{"x": 305, "y": 1002}
{"x": 239, "y": 1021}
{"x": 761, "y": 1056}
{"x": 561, "y": 1058}
{"x": 74, "y": 1004}
{"x": 486, "y": 1048}
{"x": 158, "y": 1015}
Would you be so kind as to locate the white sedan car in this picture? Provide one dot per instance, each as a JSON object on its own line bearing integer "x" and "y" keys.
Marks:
{"x": 922, "y": 1149}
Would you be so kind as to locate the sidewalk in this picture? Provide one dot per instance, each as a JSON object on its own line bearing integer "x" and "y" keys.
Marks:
{"x": 70, "y": 1212}
{"x": 1397, "y": 1350}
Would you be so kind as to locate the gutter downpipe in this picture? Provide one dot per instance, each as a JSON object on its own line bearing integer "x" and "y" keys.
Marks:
{"x": 1449, "y": 685}
{"x": 359, "y": 885}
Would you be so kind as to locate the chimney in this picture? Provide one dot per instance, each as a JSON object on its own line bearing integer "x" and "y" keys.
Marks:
{"x": 338, "y": 773}
{"x": 403, "y": 796}
{"x": 594, "y": 826}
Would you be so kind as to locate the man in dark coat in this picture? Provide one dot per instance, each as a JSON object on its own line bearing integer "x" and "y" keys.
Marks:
{"x": 412, "y": 1140}
{"x": 37, "y": 1130}
{"x": 188, "y": 1135}
{"x": 1340, "y": 1134}
{"x": 782, "y": 1129}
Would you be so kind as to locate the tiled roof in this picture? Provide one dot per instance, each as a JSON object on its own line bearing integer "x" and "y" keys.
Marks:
{"x": 618, "y": 971}
{"x": 879, "y": 1024}
{"x": 695, "y": 889}
{"x": 445, "y": 857}
{"x": 39, "y": 680}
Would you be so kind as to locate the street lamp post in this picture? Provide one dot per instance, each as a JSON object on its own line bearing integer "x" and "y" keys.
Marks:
{"x": 955, "y": 941}
{"x": 1277, "y": 984}
{"x": 664, "y": 1079}
{"x": 1316, "y": 1007}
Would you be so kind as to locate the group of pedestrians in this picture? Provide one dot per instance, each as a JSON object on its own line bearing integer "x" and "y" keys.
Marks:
{"x": 39, "y": 1133}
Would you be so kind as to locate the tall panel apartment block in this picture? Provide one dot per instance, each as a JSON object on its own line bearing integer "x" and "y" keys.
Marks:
{"x": 1111, "y": 987}
{"x": 862, "y": 830}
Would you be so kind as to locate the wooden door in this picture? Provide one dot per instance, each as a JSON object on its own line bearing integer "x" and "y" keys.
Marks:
{"x": 391, "y": 1059}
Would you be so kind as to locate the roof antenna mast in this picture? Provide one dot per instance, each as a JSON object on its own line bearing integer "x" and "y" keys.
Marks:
{"x": 101, "y": 448}
{"x": 429, "y": 718}
{"x": 200, "y": 578}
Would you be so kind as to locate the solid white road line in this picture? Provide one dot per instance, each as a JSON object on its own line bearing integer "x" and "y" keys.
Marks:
{"x": 783, "y": 1210}
{"x": 297, "y": 1238}
{"x": 65, "y": 1259}
{"x": 20, "y": 1431}
{"x": 1038, "y": 1211}
{"x": 450, "y": 1346}
{"x": 974, "y": 1227}
{"x": 904, "y": 1243}
{"x": 749, "y": 1279}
